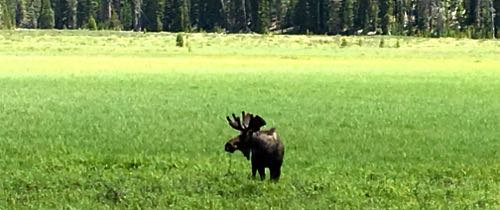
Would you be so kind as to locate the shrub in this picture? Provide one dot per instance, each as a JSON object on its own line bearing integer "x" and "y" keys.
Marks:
{"x": 92, "y": 24}
{"x": 179, "y": 41}
{"x": 397, "y": 44}
{"x": 343, "y": 42}
{"x": 381, "y": 44}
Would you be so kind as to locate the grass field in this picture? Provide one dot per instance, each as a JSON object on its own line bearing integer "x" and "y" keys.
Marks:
{"x": 98, "y": 120}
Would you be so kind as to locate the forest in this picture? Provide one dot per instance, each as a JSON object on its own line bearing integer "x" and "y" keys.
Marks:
{"x": 426, "y": 18}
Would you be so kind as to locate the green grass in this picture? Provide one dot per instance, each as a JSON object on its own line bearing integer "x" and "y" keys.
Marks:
{"x": 96, "y": 120}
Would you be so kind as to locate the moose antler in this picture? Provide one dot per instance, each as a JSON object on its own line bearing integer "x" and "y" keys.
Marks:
{"x": 236, "y": 123}
{"x": 247, "y": 118}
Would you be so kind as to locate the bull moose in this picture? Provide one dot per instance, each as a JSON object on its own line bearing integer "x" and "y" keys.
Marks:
{"x": 265, "y": 146}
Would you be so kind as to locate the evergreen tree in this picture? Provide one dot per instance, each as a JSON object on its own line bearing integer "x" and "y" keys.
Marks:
{"x": 137, "y": 4}
{"x": 496, "y": 6}
{"x": 32, "y": 14}
{"x": 126, "y": 14}
{"x": 277, "y": 14}
{"x": 386, "y": 16}
{"x": 399, "y": 15}
{"x": 303, "y": 18}
{"x": 71, "y": 14}
{"x": 362, "y": 18}
{"x": 46, "y": 20}
{"x": 212, "y": 15}
{"x": 5, "y": 18}
{"x": 60, "y": 13}
{"x": 335, "y": 18}
{"x": 262, "y": 21}
{"x": 92, "y": 25}
{"x": 182, "y": 20}
{"x": 374, "y": 20}
{"x": 239, "y": 16}
{"x": 152, "y": 15}
{"x": 85, "y": 10}
{"x": 21, "y": 13}
{"x": 347, "y": 16}
{"x": 422, "y": 16}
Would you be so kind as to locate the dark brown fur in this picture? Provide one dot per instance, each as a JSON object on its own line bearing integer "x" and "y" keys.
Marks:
{"x": 264, "y": 148}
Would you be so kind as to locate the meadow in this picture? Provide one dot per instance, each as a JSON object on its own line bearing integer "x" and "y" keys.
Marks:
{"x": 122, "y": 120}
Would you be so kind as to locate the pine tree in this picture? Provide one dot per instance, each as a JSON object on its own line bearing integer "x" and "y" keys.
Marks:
{"x": 46, "y": 20}
{"x": 5, "y": 18}
{"x": 386, "y": 16}
{"x": 176, "y": 15}
{"x": 212, "y": 15}
{"x": 335, "y": 18}
{"x": 239, "y": 16}
{"x": 32, "y": 14}
{"x": 461, "y": 19}
{"x": 92, "y": 25}
{"x": 422, "y": 15}
{"x": 126, "y": 15}
{"x": 71, "y": 14}
{"x": 263, "y": 20}
{"x": 60, "y": 8}
{"x": 374, "y": 20}
{"x": 21, "y": 13}
{"x": 137, "y": 4}
{"x": 85, "y": 10}
{"x": 277, "y": 14}
{"x": 347, "y": 16}
{"x": 362, "y": 18}
{"x": 152, "y": 15}
{"x": 303, "y": 18}
{"x": 399, "y": 15}
{"x": 496, "y": 6}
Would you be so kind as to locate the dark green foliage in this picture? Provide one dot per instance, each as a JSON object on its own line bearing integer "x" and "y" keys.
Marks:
{"x": 335, "y": 18}
{"x": 46, "y": 20}
{"x": 496, "y": 6}
{"x": 381, "y": 43}
{"x": 176, "y": 15}
{"x": 32, "y": 14}
{"x": 362, "y": 18}
{"x": 92, "y": 25}
{"x": 21, "y": 13}
{"x": 6, "y": 22}
{"x": 152, "y": 15}
{"x": 435, "y": 18}
{"x": 72, "y": 14}
{"x": 347, "y": 16}
{"x": 386, "y": 15}
{"x": 212, "y": 15}
{"x": 126, "y": 15}
{"x": 114, "y": 22}
{"x": 179, "y": 40}
{"x": 397, "y": 44}
{"x": 263, "y": 20}
{"x": 343, "y": 43}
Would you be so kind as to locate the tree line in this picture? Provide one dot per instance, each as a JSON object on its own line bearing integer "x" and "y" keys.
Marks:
{"x": 435, "y": 18}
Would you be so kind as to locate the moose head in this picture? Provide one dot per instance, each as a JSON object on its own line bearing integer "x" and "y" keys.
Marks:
{"x": 264, "y": 147}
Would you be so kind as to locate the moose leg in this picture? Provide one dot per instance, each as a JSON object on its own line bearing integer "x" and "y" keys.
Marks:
{"x": 262, "y": 172}
{"x": 254, "y": 170}
{"x": 275, "y": 173}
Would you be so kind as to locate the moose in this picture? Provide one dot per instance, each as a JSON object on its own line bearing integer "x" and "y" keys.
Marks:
{"x": 265, "y": 146}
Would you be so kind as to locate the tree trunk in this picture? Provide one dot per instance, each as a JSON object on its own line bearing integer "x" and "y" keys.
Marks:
{"x": 137, "y": 15}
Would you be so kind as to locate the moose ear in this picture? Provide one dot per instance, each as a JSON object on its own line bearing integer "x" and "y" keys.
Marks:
{"x": 256, "y": 122}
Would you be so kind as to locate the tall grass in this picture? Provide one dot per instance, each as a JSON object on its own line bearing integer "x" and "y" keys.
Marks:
{"x": 126, "y": 120}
